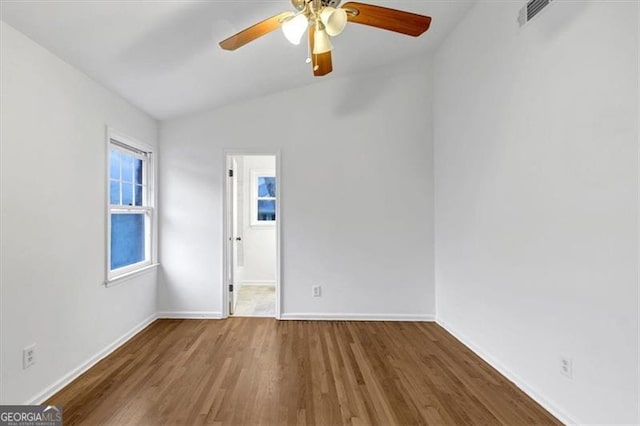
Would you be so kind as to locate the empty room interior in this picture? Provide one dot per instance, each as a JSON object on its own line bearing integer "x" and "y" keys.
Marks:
{"x": 319, "y": 212}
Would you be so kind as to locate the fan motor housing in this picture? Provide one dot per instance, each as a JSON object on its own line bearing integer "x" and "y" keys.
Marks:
{"x": 300, "y": 4}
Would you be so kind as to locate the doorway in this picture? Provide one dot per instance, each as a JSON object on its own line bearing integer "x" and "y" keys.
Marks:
{"x": 252, "y": 234}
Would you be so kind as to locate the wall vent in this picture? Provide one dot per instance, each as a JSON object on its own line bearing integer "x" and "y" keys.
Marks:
{"x": 532, "y": 8}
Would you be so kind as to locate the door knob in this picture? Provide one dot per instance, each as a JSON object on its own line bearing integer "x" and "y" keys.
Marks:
{"x": 238, "y": 238}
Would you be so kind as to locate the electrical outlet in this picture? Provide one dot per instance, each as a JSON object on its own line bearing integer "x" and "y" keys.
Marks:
{"x": 566, "y": 366}
{"x": 315, "y": 291}
{"x": 28, "y": 356}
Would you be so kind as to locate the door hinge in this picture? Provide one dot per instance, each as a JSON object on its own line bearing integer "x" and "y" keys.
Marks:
{"x": 230, "y": 287}
{"x": 230, "y": 173}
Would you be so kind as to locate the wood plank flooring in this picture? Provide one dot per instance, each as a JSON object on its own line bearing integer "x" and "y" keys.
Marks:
{"x": 262, "y": 371}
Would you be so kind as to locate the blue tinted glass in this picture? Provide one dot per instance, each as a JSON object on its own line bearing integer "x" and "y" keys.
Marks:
{"x": 266, "y": 187}
{"x": 114, "y": 164}
{"x": 138, "y": 194}
{"x": 127, "y": 194}
{"x": 126, "y": 162}
{"x": 127, "y": 239}
{"x": 137, "y": 170}
{"x": 266, "y": 210}
{"x": 114, "y": 192}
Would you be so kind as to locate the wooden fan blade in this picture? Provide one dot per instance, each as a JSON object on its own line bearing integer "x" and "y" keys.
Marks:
{"x": 388, "y": 19}
{"x": 253, "y": 32}
{"x": 321, "y": 63}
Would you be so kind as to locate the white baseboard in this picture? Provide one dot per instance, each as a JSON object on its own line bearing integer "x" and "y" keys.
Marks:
{"x": 189, "y": 315}
{"x": 76, "y": 372}
{"x": 504, "y": 370}
{"x": 358, "y": 317}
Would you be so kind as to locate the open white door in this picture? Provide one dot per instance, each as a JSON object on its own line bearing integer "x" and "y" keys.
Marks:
{"x": 230, "y": 189}
{"x": 251, "y": 250}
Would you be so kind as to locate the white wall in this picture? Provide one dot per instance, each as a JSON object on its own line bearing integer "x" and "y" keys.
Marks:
{"x": 536, "y": 171}
{"x": 53, "y": 219}
{"x": 357, "y": 212}
{"x": 258, "y": 242}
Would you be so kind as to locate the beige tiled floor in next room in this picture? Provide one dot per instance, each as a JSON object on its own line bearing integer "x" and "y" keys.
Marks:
{"x": 256, "y": 300}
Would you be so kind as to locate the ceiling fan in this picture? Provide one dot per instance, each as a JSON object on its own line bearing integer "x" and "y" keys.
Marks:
{"x": 324, "y": 19}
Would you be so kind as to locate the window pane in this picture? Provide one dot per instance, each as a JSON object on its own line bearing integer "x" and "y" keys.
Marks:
{"x": 138, "y": 195}
{"x": 114, "y": 164}
{"x": 266, "y": 186}
{"x": 127, "y": 239}
{"x": 114, "y": 192}
{"x": 266, "y": 210}
{"x": 127, "y": 167}
{"x": 137, "y": 170}
{"x": 127, "y": 194}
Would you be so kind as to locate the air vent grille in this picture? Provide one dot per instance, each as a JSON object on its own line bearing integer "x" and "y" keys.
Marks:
{"x": 532, "y": 8}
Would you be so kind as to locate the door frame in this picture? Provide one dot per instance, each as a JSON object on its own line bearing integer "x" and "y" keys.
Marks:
{"x": 226, "y": 154}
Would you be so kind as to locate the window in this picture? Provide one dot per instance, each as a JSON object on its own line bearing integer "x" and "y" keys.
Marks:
{"x": 130, "y": 207}
{"x": 263, "y": 211}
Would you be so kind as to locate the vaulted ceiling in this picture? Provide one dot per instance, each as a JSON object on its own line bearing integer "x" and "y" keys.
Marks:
{"x": 163, "y": 56}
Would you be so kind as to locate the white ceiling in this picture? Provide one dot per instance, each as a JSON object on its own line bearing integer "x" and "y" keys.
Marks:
{"x": 163, "y": 56}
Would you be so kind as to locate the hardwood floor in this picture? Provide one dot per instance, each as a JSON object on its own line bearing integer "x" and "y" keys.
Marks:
{"x": 262, "y": 371}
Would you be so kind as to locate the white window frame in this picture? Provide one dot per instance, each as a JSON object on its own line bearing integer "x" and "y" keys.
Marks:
{"x": 255, "y": 174}
{"x": 145, "y": 152}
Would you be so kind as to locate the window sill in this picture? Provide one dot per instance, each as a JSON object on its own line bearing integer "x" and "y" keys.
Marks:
{"x": 129, "y": 275}
{"x": 266, "y": 225}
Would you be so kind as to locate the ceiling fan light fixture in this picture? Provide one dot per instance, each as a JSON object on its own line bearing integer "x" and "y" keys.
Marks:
{"x": 323, "y": 19}
{"x": 295, "y": 27}
{"x": 321, "y": 42}
{"x": 334, "y": 20}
